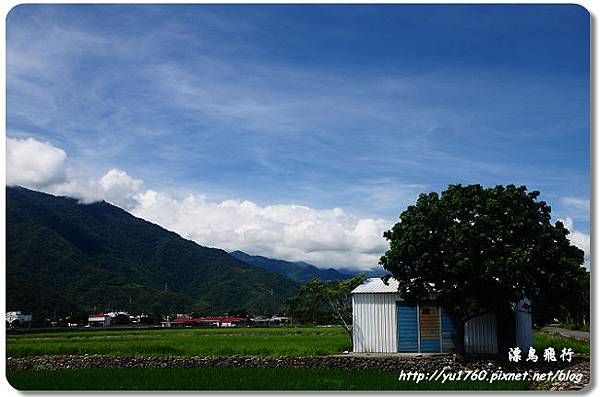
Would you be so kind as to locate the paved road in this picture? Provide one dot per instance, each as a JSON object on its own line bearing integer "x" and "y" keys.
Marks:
{"x": 581, "y": 335}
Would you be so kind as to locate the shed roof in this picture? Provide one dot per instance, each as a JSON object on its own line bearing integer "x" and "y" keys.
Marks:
{"x": 376, "y": 286}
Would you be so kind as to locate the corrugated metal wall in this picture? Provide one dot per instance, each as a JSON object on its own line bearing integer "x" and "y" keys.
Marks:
{"x": 374, "y": 320}
{"x": 480, "y": 335}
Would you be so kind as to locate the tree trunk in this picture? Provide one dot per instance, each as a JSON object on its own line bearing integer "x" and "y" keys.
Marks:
{"x": 459, "y": 338}
{"x": 506, "y": 332}
{"x": 349, "y": 331}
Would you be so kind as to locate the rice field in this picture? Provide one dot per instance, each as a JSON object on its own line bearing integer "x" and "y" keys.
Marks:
{"x": 233, "y": 379}
{"x": 269, "y": 342}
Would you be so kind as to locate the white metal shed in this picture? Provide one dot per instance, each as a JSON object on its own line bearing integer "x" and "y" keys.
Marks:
{"x": 383, "y": 323}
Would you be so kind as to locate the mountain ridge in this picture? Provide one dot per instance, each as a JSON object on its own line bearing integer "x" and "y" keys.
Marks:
{"x": 298, "y": 272}
{"x": 302, "y": 271}
{"x": 66, "y": 256}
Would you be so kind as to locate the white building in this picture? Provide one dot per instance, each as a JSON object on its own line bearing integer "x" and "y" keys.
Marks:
{"x": 11, "y": 317}
{"x": 384, "y": 323}
{"x": 99, "y": 320}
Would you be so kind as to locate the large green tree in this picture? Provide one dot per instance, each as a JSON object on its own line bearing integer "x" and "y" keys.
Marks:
{"x": 472, "y": 250}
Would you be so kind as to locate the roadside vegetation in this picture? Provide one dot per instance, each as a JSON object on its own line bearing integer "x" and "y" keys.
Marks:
{"x": 543, "y": 340}
{"x": 576, "y": 327}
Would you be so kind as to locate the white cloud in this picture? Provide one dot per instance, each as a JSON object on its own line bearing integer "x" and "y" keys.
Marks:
{"x": 331, "y": 238}
{"x": 76, "y": 186}
{"x": 42, "y": 166}
{"x": 118, "y": 188}
{"x": 579, "y": 239}
{"x": 34, "y": 164}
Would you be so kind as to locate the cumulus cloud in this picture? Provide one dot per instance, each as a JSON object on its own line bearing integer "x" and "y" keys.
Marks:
{"x": 118, "y": 188}
{"x": 115, "y": 187}
{"x": 42, "y": 166}
{"x": 331, "y": 238}
{"x": 34, "y": 164}
{"x": 579, "y": 239}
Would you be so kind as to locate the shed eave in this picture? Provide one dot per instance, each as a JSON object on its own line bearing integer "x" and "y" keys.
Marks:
{"x": 377, "y": 286}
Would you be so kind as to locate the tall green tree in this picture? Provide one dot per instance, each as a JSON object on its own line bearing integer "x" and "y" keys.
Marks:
{"x": 472, "y": 250}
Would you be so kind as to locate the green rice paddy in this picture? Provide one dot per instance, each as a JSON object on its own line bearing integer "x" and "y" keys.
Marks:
{"x": 232, "y": 379}
{"x": 268, "y": 342}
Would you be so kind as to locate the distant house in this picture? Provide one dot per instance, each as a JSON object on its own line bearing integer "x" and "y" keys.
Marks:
{"x": 384, "y": 323}
{"x": 115, "y": 314}
{"x": 17, "y": 317}
{"x": 273, "y": 321}
{"x": 99, "y": 320}
{"x": 280, "y": 320}
{"x": 234, "y": 322}
{"x": 183, "y": 322}
{"x": 138, "y": 318}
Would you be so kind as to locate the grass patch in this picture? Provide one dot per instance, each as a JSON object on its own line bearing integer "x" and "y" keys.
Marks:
{"x": 543, "y": 340}
{"x": 576, "y": 327}
{"x": 232, "y": 379}
{"x": 197, "y": 342}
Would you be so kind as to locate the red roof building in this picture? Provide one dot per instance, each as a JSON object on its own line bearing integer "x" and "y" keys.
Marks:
{"x": 207, "y": 322}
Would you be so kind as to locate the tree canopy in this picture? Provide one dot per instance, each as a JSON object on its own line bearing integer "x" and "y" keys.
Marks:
{"x": 474, "y": 249}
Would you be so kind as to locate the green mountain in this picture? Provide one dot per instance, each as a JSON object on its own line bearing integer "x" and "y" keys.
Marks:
{"x": 63, "y": 256}
{"x": 298, "y": 271}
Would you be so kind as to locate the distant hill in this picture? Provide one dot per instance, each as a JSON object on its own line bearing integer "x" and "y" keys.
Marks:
{"x": 300, "y": 271}
{"x": 64, "y": 256}
{"x": 376, "y": 272}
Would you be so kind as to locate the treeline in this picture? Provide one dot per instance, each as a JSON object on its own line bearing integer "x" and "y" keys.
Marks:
{"x": 329, "y": 302}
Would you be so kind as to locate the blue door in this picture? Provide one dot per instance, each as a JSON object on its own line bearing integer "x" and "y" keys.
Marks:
{"x": 408, "y": 333}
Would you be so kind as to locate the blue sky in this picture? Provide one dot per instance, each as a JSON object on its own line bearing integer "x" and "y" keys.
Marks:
{"x": 352, "y": 107}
